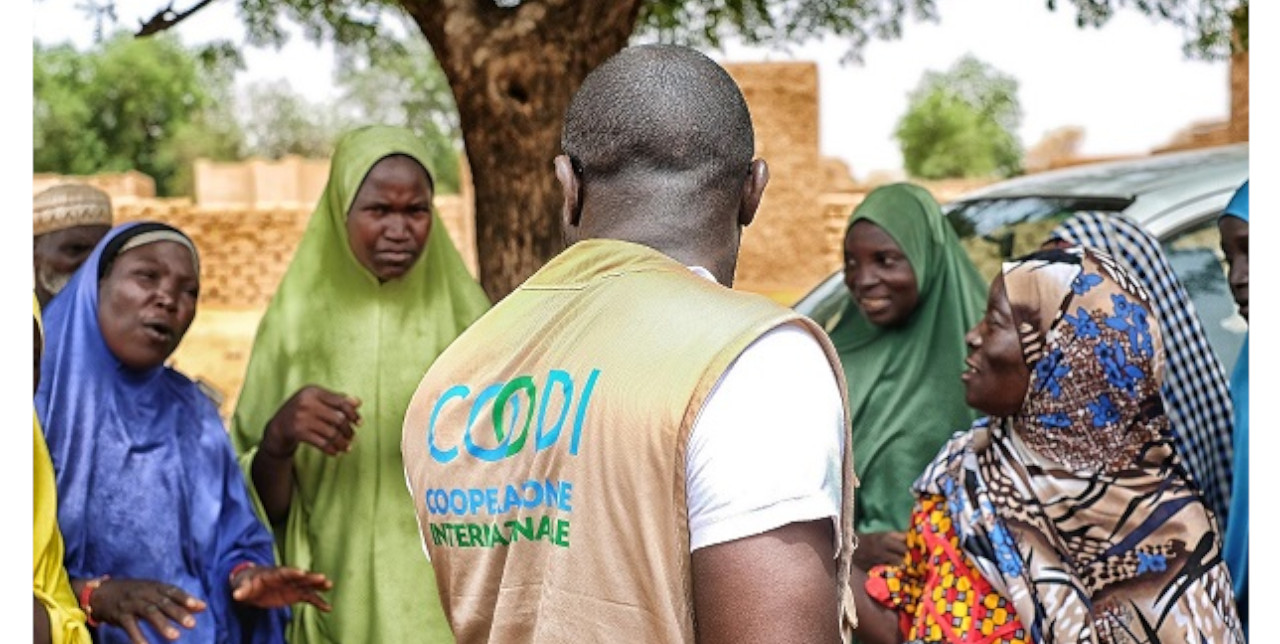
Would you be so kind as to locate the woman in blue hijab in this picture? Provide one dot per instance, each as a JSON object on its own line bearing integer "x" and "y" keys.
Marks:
{"x": 1234, "y": 227}
{"x": 160, "y": 531}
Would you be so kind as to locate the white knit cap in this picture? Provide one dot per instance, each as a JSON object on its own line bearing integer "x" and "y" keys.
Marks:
{"x": 69, "y": 205}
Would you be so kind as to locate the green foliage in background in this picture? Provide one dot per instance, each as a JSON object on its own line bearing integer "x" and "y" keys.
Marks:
{"x": 147, "y": 105}
{"x": 962, "y": 123}
{"x": 398, "y": 82}
{"x": 155, "y": 106}
{"x": 401, "y": 83}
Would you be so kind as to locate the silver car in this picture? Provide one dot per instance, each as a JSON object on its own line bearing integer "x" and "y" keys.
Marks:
{"x": 1175, "y": 196}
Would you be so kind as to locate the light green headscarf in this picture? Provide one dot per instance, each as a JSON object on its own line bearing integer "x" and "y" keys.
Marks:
{"x": 332, "y": 324}
{"x": 905, "y": 393}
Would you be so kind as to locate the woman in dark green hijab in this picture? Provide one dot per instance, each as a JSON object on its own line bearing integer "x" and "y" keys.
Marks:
{"x": 913, "y": 294}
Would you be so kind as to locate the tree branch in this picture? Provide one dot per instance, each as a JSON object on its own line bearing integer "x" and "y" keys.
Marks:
{"x": 167, "y": 18}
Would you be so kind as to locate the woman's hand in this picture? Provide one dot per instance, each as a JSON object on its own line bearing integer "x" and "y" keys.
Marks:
{"x": 124, "y": 602}
{"x": 276, "y": 586}
{"x": 875, "y": 548}
{"x": 316, "y": 416}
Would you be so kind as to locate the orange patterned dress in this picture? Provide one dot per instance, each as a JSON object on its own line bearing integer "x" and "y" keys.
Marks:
{"x": 938, "y": 593}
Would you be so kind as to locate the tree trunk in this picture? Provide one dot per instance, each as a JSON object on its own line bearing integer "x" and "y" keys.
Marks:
{"x": 513, "y": 72}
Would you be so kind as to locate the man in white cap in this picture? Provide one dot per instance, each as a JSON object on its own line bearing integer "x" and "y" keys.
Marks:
{"x": 68, "y": 220}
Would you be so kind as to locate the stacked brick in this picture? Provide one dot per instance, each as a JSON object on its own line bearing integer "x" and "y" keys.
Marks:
{"x": 781, "y": 251}
{"x": 243, "y": 253}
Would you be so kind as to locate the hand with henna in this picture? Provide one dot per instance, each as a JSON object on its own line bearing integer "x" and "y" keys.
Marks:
{"x": 276, "y": 586}
{"x": 316, "y": 416}
{"x": 128, "y": 602}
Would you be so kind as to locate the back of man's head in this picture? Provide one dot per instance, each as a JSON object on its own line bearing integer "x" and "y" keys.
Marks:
{"x": 660, "y": 114}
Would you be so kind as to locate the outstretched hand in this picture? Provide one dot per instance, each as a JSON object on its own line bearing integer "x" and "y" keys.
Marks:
{"x": 276, "y": 586}
{"x": 316, "y": 416}
{"x": 124, "y": 602}
{"x": 875, "y": 548}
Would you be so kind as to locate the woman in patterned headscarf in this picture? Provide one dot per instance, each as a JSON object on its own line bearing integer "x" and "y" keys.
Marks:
{"x": 1064, "y": 516}
{"x": 1195, "y": 384}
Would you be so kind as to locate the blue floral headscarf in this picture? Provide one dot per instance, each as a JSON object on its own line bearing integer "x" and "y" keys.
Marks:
{"x": 1076, "y": 508}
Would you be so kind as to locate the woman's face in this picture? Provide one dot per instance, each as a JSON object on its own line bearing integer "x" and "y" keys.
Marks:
{"x": 146, "y": 303}
{"x": 997, "y": 378}
{"x": 878, "y": 275}
{"x": 1235, "y": 245}
{"x": 390, "y": 217}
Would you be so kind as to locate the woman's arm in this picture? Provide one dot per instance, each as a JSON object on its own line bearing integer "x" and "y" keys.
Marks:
{"x": 877, "y": 623}
{"x": 314, "y": 415}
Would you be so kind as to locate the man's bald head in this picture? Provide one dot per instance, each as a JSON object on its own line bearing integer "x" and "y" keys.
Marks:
{"x": 658, "y": 148}
{"x": 660, "y": 110}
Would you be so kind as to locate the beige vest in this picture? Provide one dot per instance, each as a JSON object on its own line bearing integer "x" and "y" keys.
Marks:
{"x": 545, "y": 449}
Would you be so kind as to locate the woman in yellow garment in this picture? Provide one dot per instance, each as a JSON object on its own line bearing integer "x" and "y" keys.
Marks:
{"x": 58, "y": 618}
{"x": 375, "y": 291}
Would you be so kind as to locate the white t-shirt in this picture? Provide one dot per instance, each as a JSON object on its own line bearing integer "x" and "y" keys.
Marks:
{"x": 766, "y": 447}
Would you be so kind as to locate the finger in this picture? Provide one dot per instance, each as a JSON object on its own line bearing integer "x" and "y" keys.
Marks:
{"x": 326, "y": 419}
{"x": 314, "y": 582}
{"x": 316, "y": 600}
{"x": 318, "y": 580}
{"x": 335, "y": 400}
{"x": 349, "y": 406}
{"x": 353, "y": 411}
{"x": 342, "y": 423}
{"x": 341, "y": 442}
{"x": 344, "y": 403}
{"x": 320, "y": 440}
{"x": 183, "y": 599}
{"x": 130, "y": 626}
{"x": 176, "y": 612}
{"x": 289, "y": 573}
{"x": 245, "y": 590}
{"x": 159, "y": 621}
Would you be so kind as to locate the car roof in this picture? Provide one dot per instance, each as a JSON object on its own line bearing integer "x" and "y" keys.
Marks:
{"x": 1204, "y": 178}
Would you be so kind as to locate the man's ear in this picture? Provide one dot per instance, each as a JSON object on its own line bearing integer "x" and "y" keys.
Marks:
{"x": 752, "y": 191}
{"x": 571, "y": 190}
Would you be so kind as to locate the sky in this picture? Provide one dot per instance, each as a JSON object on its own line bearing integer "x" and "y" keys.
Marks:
{"x": 1127, "y": 84}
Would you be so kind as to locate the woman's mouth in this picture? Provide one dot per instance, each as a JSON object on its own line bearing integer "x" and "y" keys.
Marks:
{"x": 158, "y": 331}
{"x": 873, "y": 305}
{"x": 394, "y": 257}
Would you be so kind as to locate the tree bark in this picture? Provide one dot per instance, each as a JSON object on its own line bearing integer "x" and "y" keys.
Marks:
{"x": 513, "y": 72}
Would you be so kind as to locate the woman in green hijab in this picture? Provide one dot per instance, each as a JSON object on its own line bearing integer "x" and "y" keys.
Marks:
{"x": 913, "y": 293}
{"x": 375, "y": 292}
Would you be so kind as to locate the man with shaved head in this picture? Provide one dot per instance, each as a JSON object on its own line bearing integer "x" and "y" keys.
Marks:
{"x": 625, "y": 448}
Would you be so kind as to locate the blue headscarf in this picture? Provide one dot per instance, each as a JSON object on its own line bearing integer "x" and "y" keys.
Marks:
{"x": 1236, "y": 542}
{"x": 1239, "y": 204}
{"x": 148, "y": 485}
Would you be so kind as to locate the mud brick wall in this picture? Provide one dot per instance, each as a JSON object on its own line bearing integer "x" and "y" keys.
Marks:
{"x": 781, "y": 250}
{"x": 243, "y": 253}
{"x": 1240, "y": 97}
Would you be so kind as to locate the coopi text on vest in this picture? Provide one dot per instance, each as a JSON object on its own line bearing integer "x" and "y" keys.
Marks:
{"x": 494, "y": 501}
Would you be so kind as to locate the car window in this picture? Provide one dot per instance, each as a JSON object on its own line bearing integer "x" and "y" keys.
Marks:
{"x": 995, "y": 230}
{"x": 1196, "y": 257}
{"x": 825, "y": 301}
